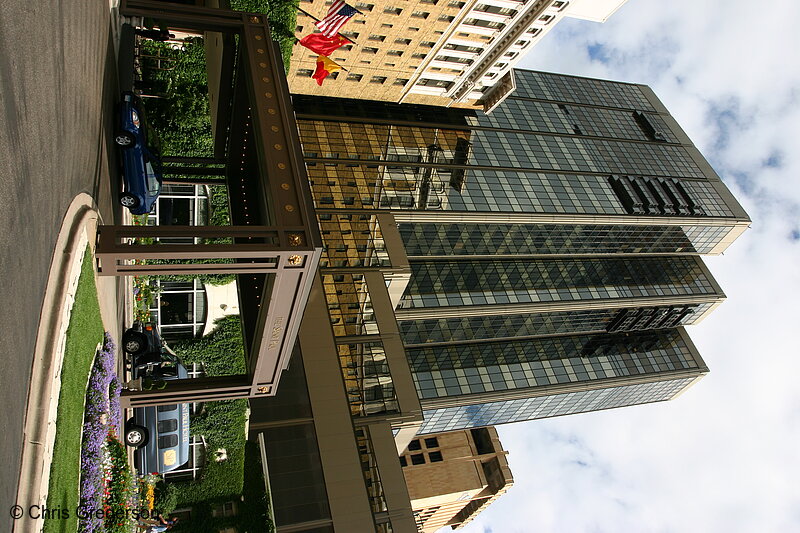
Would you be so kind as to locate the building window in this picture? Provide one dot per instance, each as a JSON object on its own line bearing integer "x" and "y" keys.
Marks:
{"x": 431, "y": 442}
{"x": 403, "y": 41}
{"x": 351, "y": 34}
{"x": 412, "y": 29}
{"x": 456, "y": 3}
{"x": 384, "y": 25}
{"x": 305, "y": 72}
{"x": 378, "y": 79}
{"x": 505, "y": 11}
{"x": 354, "y": 77}
{"x": 431, "y": 2}
{"x": 403, "y": 461}
{"x": 485, "y": 23}
{"x": 447, "y": 18}
{"x": 414, "y": 445}
{"x": 369, "y": 50}
{"x": 400, "y": 81}
{"x": 298, "y": 29}
{"x": 365, "y": 7}
{"x": 394, "y": 53}
{"x": 435, "y": 457}
{"x": 463, "y": 48}
{"x": 427, "y": 44}
{"x": 374, "y": 37}
{"x": 546, "y": 18}
{"x": 420, "y": 14}
{"x": 392, "y": 10}
{"x": 365, "y": 62}
{"x": 224, "y": 510}
{"x": 559, "y": 5}
{"x": 415, "y": 56}
{"x": 416, "y": 459}
{"x": 389, "y": 65}
{"x": 425, "y": 82}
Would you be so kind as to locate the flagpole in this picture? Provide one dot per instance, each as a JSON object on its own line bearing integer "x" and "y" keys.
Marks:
{"x": 315, "y": 18}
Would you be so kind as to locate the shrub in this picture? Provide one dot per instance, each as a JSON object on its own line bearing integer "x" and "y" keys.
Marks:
{"x": 221, "y": 351}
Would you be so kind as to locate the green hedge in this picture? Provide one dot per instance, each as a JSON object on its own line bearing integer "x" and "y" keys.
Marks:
{"x": 223, "y": 425}
{"x": 221, "y": 351}
{"x": 282, "y": 17}
{"x": 182, "y": 117}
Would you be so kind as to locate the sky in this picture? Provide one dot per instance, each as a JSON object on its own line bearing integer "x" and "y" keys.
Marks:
{"x": 725, "y": 455}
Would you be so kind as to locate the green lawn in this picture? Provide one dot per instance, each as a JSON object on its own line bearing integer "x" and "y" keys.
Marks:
{"x": 84, "y": 332}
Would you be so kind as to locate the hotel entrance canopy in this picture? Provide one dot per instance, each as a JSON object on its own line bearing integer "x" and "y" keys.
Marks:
{"x": 274, "y": 243}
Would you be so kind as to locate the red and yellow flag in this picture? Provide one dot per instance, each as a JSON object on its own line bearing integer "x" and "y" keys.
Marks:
{"x": 324, "y": 46}
{"x": 324, "y": 67}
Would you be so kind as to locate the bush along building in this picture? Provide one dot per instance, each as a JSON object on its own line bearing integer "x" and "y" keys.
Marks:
{"x": 483, "y": 269}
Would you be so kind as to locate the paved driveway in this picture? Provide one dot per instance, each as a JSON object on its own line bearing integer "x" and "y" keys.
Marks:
{"x": 57, "y": 85}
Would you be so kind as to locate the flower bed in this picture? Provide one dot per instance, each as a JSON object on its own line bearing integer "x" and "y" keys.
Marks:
{"x": 101, "y": 419}
{"x": 143, "y": 295}
{"x": 121, "y": 495}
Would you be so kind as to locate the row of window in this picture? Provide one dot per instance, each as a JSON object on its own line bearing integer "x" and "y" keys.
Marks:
{"x": 419, "y": 458}
{"x": 416, "y": 444}
{"x": 493, "y": 413}
{"x": 304, "y": 72}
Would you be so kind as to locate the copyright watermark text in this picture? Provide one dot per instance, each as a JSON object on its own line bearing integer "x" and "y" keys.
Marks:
{"x": 41, "y": 512}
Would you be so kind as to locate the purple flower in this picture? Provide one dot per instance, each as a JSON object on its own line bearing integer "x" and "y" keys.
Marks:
{"x": 102, "y": 398}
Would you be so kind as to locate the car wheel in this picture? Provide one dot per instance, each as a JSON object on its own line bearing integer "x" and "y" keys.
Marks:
{"x": 136, "y": 436}
{"x": 124, "y": 139}
{"x": 128, "y": 200}
{"x": 134, "y": 342}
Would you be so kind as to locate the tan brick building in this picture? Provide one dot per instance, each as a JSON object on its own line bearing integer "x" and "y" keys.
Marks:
{"x": 436, "y": 52}
{"x": 453, "y": 476}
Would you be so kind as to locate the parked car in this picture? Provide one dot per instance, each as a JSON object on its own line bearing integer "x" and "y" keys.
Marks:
{"x": 159, "y": 434}
{"x": 141, "y": 167}
{"x": 142, "y": 337}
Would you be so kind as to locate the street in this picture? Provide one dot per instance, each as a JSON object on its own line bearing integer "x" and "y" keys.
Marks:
{"x": 57, "y": 88}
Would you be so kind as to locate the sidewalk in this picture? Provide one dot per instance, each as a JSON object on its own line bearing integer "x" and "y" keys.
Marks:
{"x": 78, "y": 230}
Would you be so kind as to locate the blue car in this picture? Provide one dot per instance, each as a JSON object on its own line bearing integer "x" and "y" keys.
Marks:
{"x": 141, "y": 168}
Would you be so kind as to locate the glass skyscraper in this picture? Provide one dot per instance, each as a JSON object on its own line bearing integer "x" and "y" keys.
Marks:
{"x": 538, "y": 261}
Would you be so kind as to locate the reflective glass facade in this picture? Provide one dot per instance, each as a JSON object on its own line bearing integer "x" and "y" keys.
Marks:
{"x": 488, "y": 282}
{"x": 351, "y": 240}
{"x": 571, "y": 89}
{"x": 500, "y": 326}
{"x": 530, "y": 115}
{"x": 444, "y": 330}
{"x": 474, "y": 368}
{"x": 620, "y": 205}
{"x": 429, "y": 239}
{"x": 549, "y": 153}
{"x": 517, "y": 410}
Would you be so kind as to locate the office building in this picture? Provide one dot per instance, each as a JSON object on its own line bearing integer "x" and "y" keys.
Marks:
{"x": 548, "y": 251}
{"x": 434, "y": 52}
{"x": 452, "y": 477}
{"x": 483, "y": 269}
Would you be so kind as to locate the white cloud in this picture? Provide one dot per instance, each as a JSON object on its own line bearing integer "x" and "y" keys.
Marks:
{"x": 723, "y": 457}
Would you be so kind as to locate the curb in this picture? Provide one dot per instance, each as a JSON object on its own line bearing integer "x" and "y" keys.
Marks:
{"x": 77, "y": 228}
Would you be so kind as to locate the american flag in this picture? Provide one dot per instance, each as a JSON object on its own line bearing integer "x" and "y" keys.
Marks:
{"x": 338, "y": 14}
